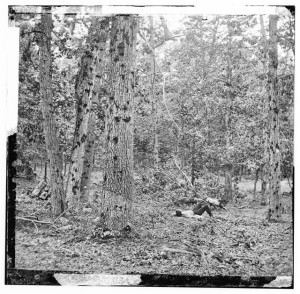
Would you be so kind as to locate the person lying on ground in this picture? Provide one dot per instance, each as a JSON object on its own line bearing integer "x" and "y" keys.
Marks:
{"x": 200, "y": 208}
{"x": 197, "y": 211}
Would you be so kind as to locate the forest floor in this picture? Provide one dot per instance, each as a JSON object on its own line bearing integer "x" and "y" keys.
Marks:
{"x": 237, "y": 241}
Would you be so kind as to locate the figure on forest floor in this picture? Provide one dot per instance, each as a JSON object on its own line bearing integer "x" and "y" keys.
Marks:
{"x": 200, "y": 208}
{"x": 197, "y": 211}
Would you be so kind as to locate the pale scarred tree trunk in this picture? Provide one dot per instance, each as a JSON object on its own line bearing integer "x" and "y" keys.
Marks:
{"x": 99, "y": 93}
{"x": 50, "y": 129}
{"x": 88, "y": 160}
{"x": 275, "y": 205}
{"x": 118, "y": 186}
{"x": 84, "y": 91}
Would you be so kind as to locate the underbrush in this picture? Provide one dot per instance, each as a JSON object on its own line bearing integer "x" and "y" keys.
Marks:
{"x": 236, "y": 241}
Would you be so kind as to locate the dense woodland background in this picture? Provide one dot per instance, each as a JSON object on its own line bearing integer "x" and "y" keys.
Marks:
{"x": 123, "y": 120}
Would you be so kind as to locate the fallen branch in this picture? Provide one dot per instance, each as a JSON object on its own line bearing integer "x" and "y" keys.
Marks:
{"x": 244, "y": 206}
{"x": 34, "y": 220}
{"x": 174, "y": 181}
{"x": 41, "y": 207}
{"x": 197, "y": 251}
{"x": 157, "y": 186}
{"x": 36, "y": 227}
{"x": 37, "y": 221}
{"x": 62, "y": 214}
{"x": 187, "y": 178}
{"x": 38, "y": 189}
{"x": 174, "y": 250}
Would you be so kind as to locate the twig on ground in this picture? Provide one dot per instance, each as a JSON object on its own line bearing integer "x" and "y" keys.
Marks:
{"x": 33, "y": 220}
{"x": 244, "y": 206}
{"x": 41, "y": 207}
{"x": 175, "y": 250}
{"x": 158, "y": 186}
{"x": 62, "y": 214}
{"x": 203, "y": 256}
{"x": 223, "y": 233}
{"x": 36, "y": 227}
{"x": 197, "y": 251}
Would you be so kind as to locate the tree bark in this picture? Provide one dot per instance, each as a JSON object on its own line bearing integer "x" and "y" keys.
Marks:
{"x": 275, "y": 205}
{"x": 84, "y": 91}
{"x": 240, "y": 172}
{"x": 264, "y": 174}
{"x": 88, "y": 161}
{"x": 265, "y": 168}
{"x": 228, "y": 174}
{"x": 228, "y": 185}
{"x": 45, "y": 171}
{"x": 118, "y": 167}
{"x": 99, "y": 93}
{"x": 255, "y": 182}
{"x": 193, "y": 161}
{"x": 154, "y": 99}
{"x": 50, "y": 129}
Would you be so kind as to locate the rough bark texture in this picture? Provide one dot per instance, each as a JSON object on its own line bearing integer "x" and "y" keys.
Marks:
{"x": 84, "y": 91}
{"x": 99, "y": 93}
{"x": 240, "y": 173}
{"x": 88, "y": 160}
{"x": 255, "y": 182}
{"x": 228, "y": 174}
{"x": 265, "y": 166}
{"x": 228, "y": 185}
{"x": 50, "y": 129}
{"x": 275, "y": 205}
{"x": 235, "y": 186}
{"x": 118, "y": 171}
{"x": 193, "y": 175}
{"x": 263, "y": 199}
{"x": 153, "y": 98}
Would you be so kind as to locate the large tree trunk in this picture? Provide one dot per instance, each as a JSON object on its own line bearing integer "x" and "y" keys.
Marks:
{"x": 88, "y": 160}
{"x": 154, "y": 98}
{"x": 264, "y": 182}
{"x": 228, "y": 116}
{"x": 265, "y": 165}
{"x": 228, "y": 185}
{"x": 193, "y": 176}
{"x": 118, "y": 171}
{"x": 240, "y": 172}
{"x": 50, "y": 129}
{"x": 255, "y": 182}
{"x": 275, "y": 205}
{"x": 84, "y": 91}
{"x": 100, "y": 92}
